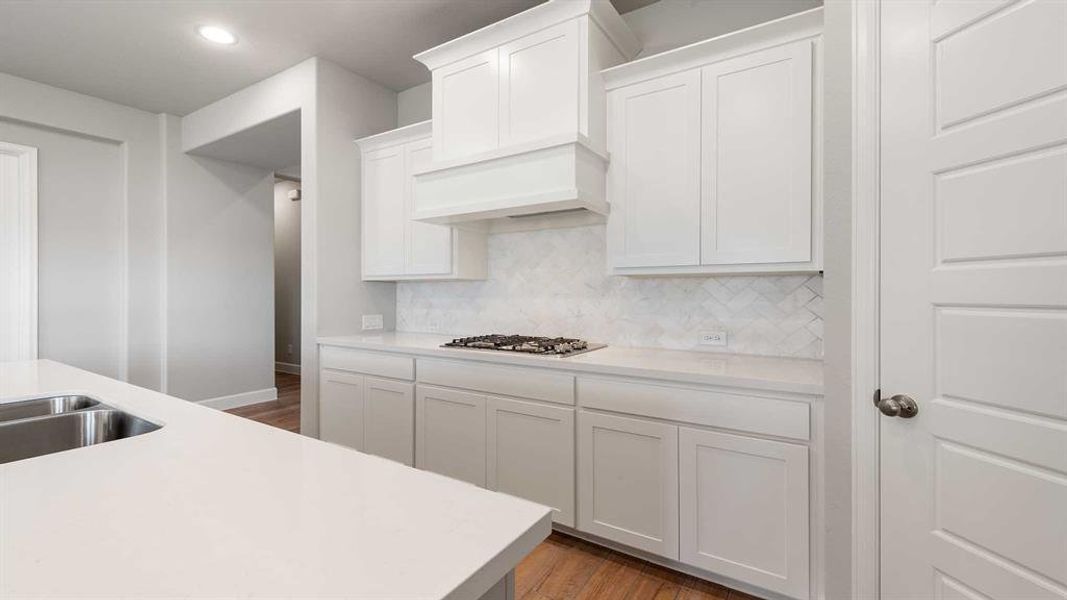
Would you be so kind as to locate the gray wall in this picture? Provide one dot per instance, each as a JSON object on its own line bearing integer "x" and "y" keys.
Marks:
{"x": 669, "y": 24}
{"x": 80, "y": 249}
{"x": 413, "y": 105}
{"x": 220, "y": 274}
{"x": 133, "y": 138}
{"x": 837, "y": 128}
{"x": 286, "y": 274}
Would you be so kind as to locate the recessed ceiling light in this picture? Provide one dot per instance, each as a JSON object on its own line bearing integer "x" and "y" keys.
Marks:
{"x": 214, "y": 33}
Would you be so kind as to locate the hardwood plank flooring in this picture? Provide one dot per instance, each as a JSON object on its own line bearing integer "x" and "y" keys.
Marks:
{"x": 567, "y": 568}
{"x": 560, "y": 568}
{"x": 283, "y": 413}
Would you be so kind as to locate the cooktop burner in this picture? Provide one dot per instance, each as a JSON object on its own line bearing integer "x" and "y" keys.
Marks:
{"x": 524, "y": 343}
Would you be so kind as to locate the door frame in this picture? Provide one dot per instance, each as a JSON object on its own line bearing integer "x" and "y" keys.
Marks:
{"x": 865, "y": 281}
{"x": 25, "y": 230}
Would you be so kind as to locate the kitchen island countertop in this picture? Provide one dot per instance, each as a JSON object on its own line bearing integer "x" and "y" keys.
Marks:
{"x": 213, "y": 505}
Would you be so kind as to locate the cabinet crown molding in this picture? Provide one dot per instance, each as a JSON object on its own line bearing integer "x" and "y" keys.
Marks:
{"x": 787, "y": 29}
{"x": 393, "y": 137}
{"x": 534, "y": 19}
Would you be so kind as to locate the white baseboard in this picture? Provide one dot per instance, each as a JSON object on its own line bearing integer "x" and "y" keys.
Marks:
{"x": 242, "y": 399}
{"x": 287, "y": 368}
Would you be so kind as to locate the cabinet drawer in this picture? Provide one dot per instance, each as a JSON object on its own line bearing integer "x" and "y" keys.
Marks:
{"x": 536, "y": 384}
{"x": 757, "y": 414}
{"x": 370, "y": 363}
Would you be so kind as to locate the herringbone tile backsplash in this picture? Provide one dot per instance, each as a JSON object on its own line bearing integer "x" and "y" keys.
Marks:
{"x": 554, "y": 282}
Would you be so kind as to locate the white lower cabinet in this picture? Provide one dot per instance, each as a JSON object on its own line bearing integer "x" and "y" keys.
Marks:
{"x": 643, "y": 464}
{"x": 628, "y": 481}
{"x": 341, "y": 408}
{"x": 389, "y": 419}
{"x": 369, "y": 414}
{"x": 744, "y": 509}
{"x": 530, "y": 453}
{"x": 450, "y": 433}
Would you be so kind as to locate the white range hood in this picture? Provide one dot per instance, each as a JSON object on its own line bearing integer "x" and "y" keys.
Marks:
{"x": 559, "y": 174}
{"x": 519, "y": 115}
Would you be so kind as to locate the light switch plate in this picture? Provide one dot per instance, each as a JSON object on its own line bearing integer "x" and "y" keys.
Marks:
{"x": 373, "y": 322}
{"x": 712, "y": 338}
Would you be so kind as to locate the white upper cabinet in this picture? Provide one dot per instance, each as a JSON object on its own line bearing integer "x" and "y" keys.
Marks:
{"x": 539, "y": 84}
{"x": 428, "y": 246}
{"x": 466, "y": 106}
{"x": 395, "y": 247}
{"x": 654, "y": 132}
{"x": 383, "y": 212}
{"x": 519, "y": 114}
{"x": 716, "y": 156}
{"x": 756, "y": 158}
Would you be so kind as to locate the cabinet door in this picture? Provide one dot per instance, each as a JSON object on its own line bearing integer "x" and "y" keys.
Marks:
{"x": 466, "y": 106}
{"x": 530, "y": 454}
{"x": 654, "y": 175}
{"x": 389, "y": 419}
{"x": 756, "y": 158}
{"x": 429, "y": 246}
{"x": 744, "y": 509}
{"x": 628, "y": 481}
{"x": 450, "y": 433}
{"x": 384, "y": 184}
{"x": 539, "y": 84}
{"x": 341, "y": 408}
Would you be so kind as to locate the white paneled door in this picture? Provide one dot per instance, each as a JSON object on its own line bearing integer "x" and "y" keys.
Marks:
{"x": 18, "y": 252}
{"x": 974, "y": 299}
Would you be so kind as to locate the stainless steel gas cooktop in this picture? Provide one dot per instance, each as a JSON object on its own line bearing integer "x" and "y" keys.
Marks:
{"x": 525, "y": 343}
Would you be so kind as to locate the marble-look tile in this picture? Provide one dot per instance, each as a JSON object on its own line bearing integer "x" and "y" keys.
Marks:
{"x": 555, "y": 282}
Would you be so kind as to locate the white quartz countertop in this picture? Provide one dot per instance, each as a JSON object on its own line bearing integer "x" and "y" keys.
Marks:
{"x": 213, "y": 505}
{"x": 708, "y": 368}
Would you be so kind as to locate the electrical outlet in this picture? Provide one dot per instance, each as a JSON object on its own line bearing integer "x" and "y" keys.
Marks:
{"x": 713, "y": 338}
{"x": 371, "y": 322}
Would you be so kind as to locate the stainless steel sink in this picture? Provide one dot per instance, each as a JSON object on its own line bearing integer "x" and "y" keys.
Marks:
{"x": 39, "y": 407}
{"x": 42, "y": 435}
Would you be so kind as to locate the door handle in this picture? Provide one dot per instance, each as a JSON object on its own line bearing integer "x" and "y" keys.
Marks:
{"x": 898, "y": 405}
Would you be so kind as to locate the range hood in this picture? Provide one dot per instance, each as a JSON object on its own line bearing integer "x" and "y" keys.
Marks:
{"x": 565, "y": 173}
{"x": 520, "y": 115}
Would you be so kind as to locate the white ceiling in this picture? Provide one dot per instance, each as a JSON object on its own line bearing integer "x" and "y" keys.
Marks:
{"x": 146, "y": 54}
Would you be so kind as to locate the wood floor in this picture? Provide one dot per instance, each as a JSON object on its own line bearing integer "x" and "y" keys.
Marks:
{"x": 283, "y": 413}
{"x": 565, "y": 568}
{"x": 561, "y": 567}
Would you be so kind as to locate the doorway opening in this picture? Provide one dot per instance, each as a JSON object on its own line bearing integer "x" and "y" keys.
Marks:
{"x": 276, "y": 343}
{"x": 287, "y": 196}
